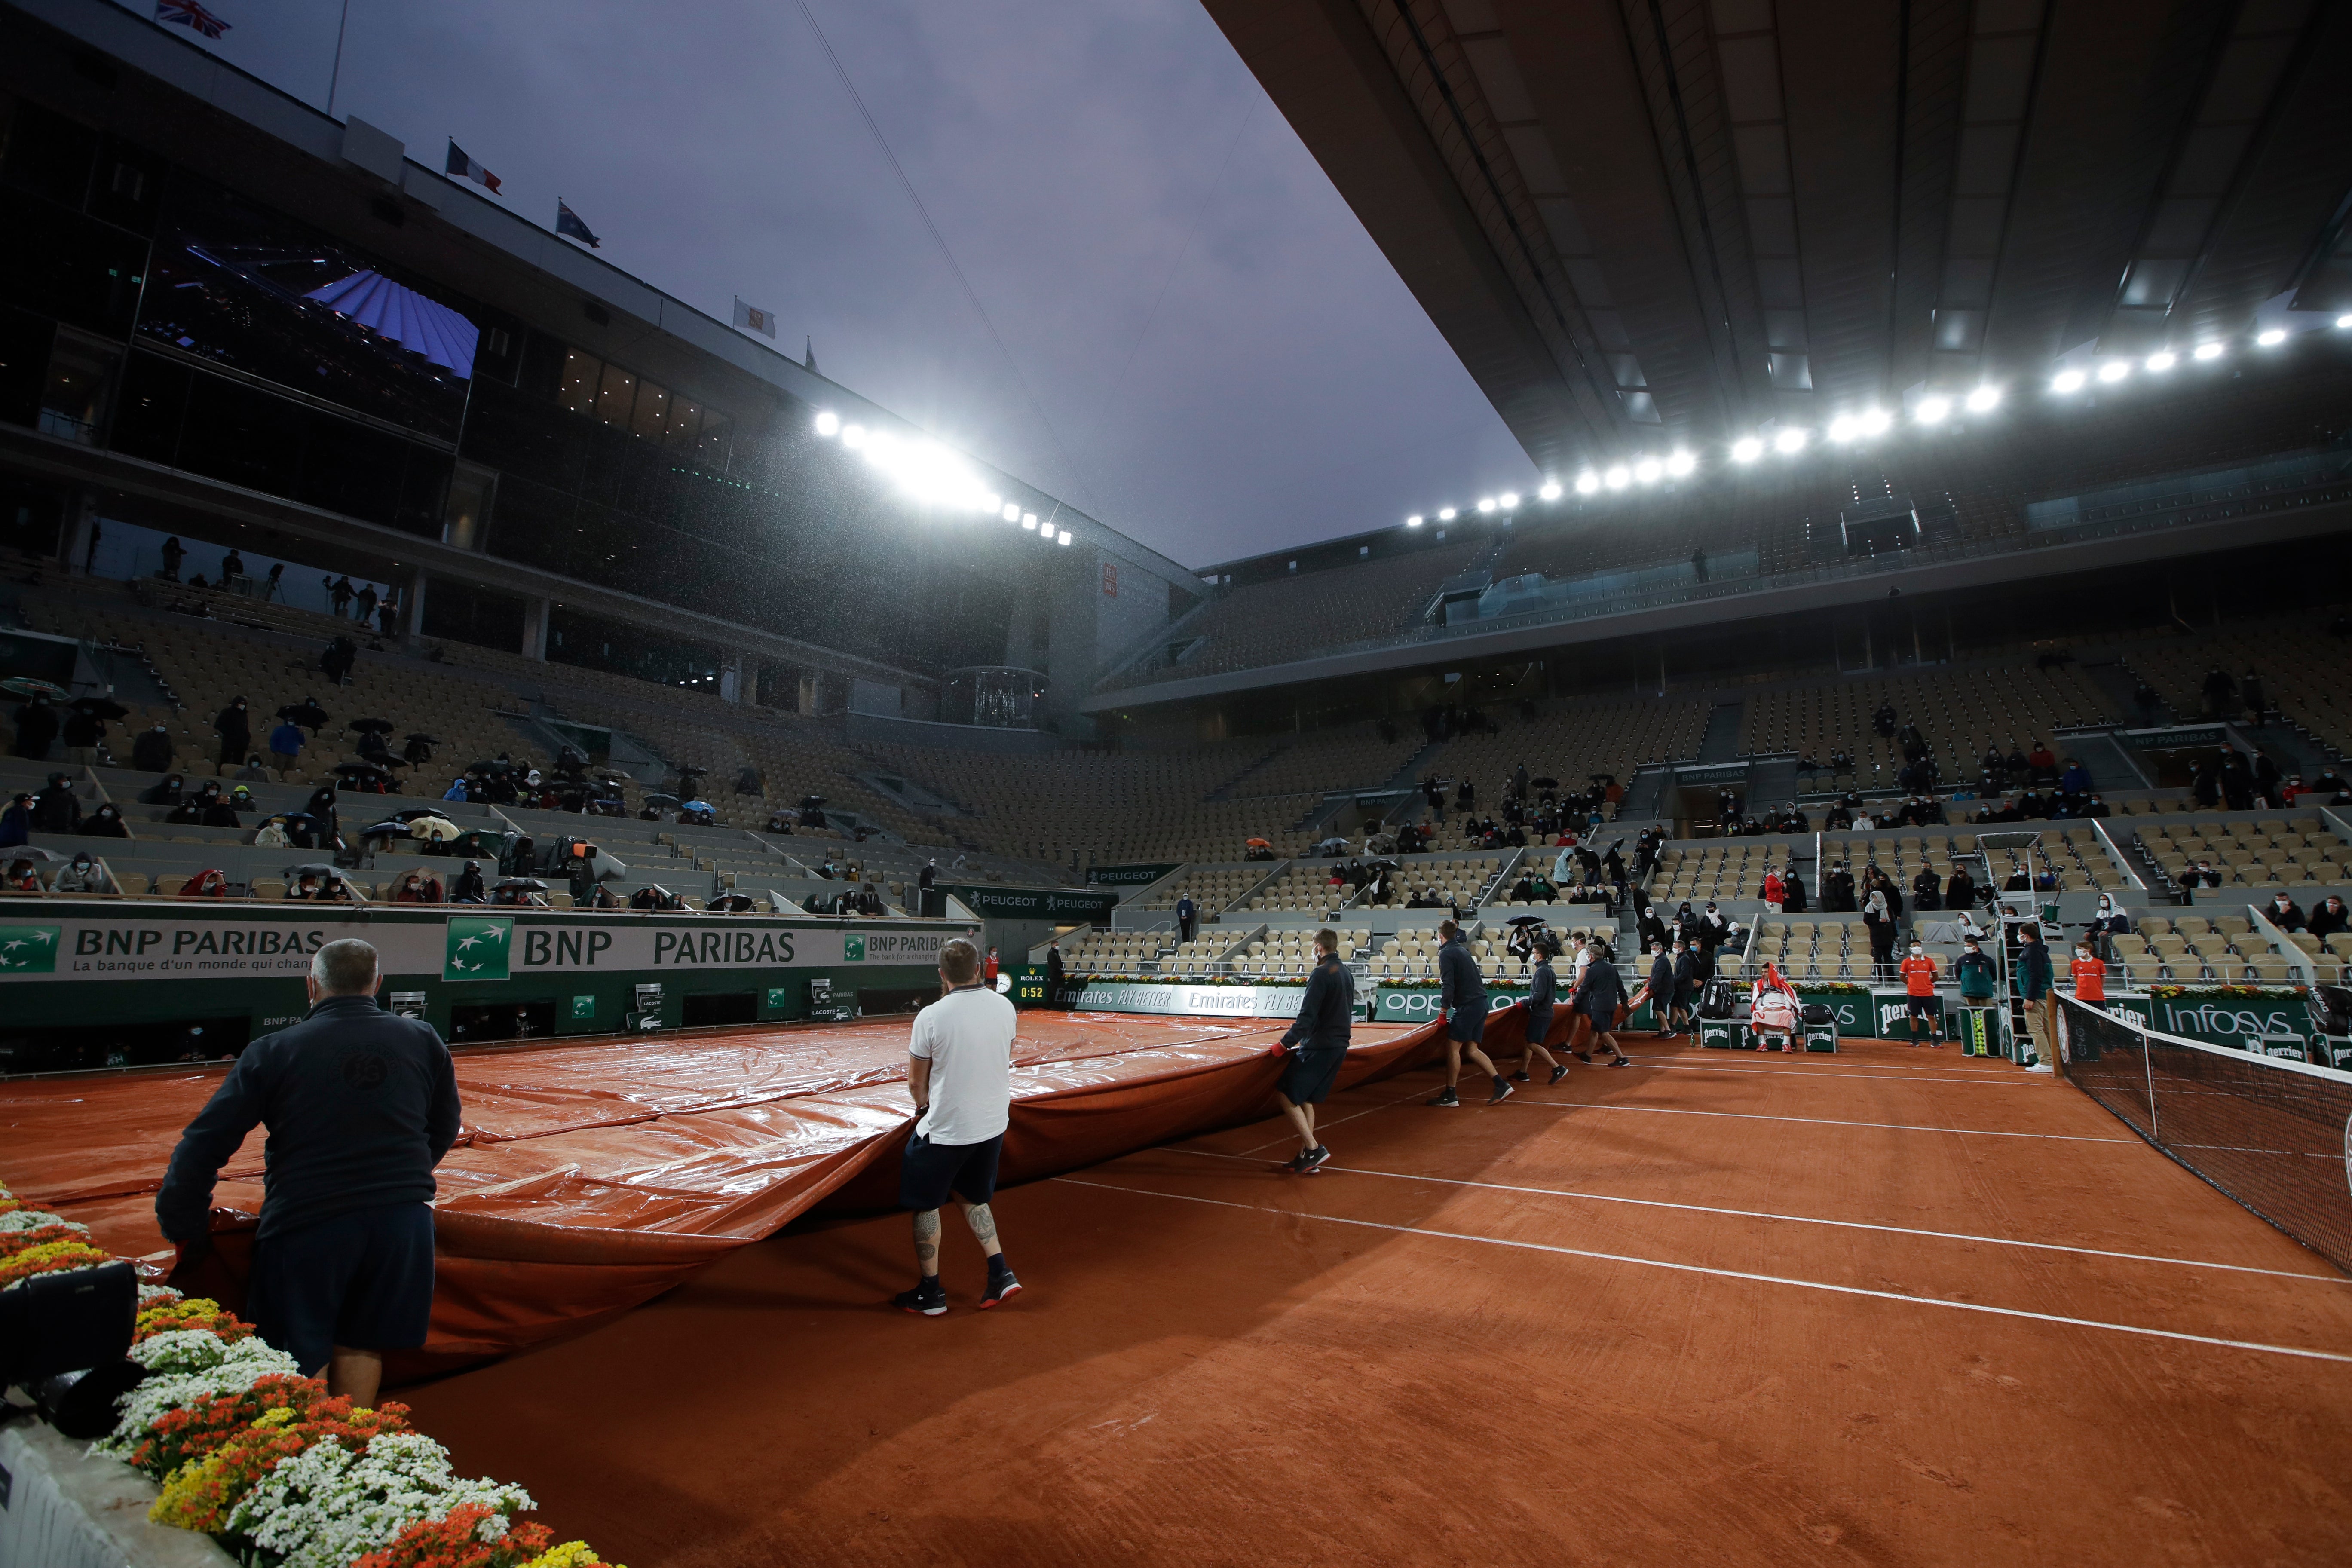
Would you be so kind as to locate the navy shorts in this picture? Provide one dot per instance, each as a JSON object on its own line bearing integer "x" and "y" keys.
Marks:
{"x": 1928, "y": 1007}
{"x": 1308, "y": 1078}
{"x": 931, "y": 1171}
{"x": 1468, "y": 1025}
{"x": 362, "y": 1280}
{"x": 1538, "y": 1025}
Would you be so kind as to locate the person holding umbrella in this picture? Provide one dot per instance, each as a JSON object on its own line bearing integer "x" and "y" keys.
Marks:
{"x": 234, "y": 725}
{"x": 36, "y": 728}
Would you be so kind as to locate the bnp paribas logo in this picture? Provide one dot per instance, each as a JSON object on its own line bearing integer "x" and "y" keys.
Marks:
{"x": 478, "y": 948}
{"x": 29, "y": 949}
{"x": 853, "y": 949}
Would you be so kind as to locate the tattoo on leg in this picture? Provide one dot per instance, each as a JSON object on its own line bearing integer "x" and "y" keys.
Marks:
{"x": 927, "y": 1239}
{"x": 983, "y": 1224}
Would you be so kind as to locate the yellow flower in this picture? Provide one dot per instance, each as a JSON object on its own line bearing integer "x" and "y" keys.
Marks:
{"x": 571, "y": 1554}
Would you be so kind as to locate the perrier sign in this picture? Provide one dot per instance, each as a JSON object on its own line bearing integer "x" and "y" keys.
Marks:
{"x": 478, "y": 948}
{"x": 29, "y": 949}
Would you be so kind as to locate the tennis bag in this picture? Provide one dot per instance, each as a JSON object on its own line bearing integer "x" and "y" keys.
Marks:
{"x": 1818, "y": 1013}
{"x": 1715, "y": 999}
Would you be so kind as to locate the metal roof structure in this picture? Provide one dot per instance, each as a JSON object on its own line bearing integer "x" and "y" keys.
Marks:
{"x": 1648, "y": 221}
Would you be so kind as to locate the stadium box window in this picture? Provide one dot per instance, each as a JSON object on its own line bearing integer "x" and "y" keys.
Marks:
{"x": 46, "y": 153}
{"x": 616, "y": 395}
{"x": 534, "y": 524}
{"x": 32, "y": 516}
{"x": 243, "y": 287}
{"x": 149, "y": 411}
{"x": 463, "y": 612}
{"x": 243, "y": 436}
{"x": 23, "y": 363}
{"x": 65, "y": 265}
{"x": 472, "y": 491}
{"x": 81, "y": 373}
{"x": 574, "y": 636}
{"x": 521, "y": 436}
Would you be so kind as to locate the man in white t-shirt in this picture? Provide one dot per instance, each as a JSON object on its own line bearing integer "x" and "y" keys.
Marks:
{"x": 959, "y": 1072}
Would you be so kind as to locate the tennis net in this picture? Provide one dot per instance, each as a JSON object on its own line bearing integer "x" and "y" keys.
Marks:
{"x": 2274, "y": 1135}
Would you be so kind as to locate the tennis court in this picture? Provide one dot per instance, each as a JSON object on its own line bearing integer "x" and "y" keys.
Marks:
{"x": 1892, "y": 1306}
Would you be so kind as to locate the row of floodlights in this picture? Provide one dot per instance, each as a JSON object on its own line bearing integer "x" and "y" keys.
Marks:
{"x": 932, "y": 474}
{"x": 1790, "y": 440}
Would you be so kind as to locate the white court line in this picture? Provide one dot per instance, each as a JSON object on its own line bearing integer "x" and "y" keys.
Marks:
{"x": 1888, "y": 1075}
{"x": 1804, "y": 1219}
{"x": 1813, "y": 1121}
{"x": 1287, "y": 1135}
{"x": 1732, "y": 1274}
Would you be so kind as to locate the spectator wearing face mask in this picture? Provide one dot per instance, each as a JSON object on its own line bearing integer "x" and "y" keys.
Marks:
{"x": 84, "y": 874}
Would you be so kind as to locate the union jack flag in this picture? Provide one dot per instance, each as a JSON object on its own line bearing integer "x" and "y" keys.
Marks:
{"x": 190, "y": 14}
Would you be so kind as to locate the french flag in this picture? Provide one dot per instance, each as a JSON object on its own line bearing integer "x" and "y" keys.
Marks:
{"x": 465, "y": 168}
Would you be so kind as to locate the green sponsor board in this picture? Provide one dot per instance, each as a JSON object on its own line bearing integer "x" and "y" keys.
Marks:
{"x": 1063, "y": 906}
{"x": 583, "y": 1008}
{"x": 478, "y": 947}
{"x": 1419, "y": 1004}
{"x": 29, "y": 949}
{"x": 2276, "y": 1021}
{"x": 852, "y": 948}
{"x": 1129, "y": 876}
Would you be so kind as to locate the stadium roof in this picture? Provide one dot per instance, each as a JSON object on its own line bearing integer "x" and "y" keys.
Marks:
{"x": 1689, "y": 219}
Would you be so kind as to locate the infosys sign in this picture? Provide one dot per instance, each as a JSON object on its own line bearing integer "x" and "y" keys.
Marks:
{"x": 2229, "y": 1020}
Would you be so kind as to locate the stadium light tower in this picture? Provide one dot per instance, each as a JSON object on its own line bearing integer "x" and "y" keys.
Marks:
{"x": 1932, "y": 410}
{"x": 1984, "y": 400}
{"x": 2068, "y": 381}
{"x": 2272, "y": 338}
{"x": 1510, "y": 501}
{"x": 1789, "y": 442}
{"x": 828, "y": 422}
{"x": 2208, "y": 351}
{"x": 1446, "y": 514}
{"x": 1487, "y": 504}
{"x": 1413, "y": 521}
{"x": 1550, "y": 490}
{"x": 1746, "y": 450}
{"x": 1680, "y": 465}
{"x": 2162, "y": 361}
{"x": 1618, "y": 478}
{"x": 2115, "y": 370}
{"x": 1649, "y": 470}
{"x": 1588, "y": 483}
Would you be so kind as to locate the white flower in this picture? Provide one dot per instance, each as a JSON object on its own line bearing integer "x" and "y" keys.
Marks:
{"x": 221, "y": 1369}
{"x": 328, "y": 1505}
{"x": 156, "y": 1296}
{"x": 33, "y": 1219}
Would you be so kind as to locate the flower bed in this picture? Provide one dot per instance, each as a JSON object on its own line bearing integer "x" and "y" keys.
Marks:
{"x": 249, "y": 1451}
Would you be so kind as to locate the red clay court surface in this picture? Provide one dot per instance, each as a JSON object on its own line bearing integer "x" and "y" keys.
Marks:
{"x": 1892, "y": 1306}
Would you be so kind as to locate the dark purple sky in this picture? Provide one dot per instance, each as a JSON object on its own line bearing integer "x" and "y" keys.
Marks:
{"x": 1229, "y": 362}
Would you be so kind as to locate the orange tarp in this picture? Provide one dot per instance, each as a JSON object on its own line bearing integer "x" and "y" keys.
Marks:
{"x": 589, "y": 1177}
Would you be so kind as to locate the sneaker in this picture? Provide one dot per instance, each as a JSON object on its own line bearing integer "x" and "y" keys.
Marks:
{"x": 1002, "y": 1288}
{"x": 1560, "y": 1072}
{"x": 1503, "y": 1092}
{"x": 2040, "y": 1067}
{"x": 1445, "y": 1100}
{"x": 1585, "y": 1056}
{"x": 930, "y": 1299}
{"x": 1312, "y": 1161}
{"x": 1519, "y": 1078}
{"x": 1622, "y": 1061}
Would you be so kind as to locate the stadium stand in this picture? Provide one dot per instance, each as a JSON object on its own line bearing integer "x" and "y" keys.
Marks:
{"x": 1573, "y": 740}
{"x": 1958, "y": 711}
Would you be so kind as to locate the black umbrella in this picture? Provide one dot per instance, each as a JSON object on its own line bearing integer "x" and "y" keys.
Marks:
{"x": 371, "y": 726}
{"x": 359, "y": 767}
{"x": 1543, "y": 784}
{"x": 811, "y": 802}
{"x": 521, "y": 885}
{"x": 313, "y": 869}
{"x": 100, "y": 707}
{"x": 428, "y": 739}
{"x": 31, "y": 852}
{"x": 662, "y": 802}
{"x": 391, "y": 827}
{"x": 688, "y": 771}
{"x": 1527, "y": 920}
{"x": 304, "y": 713}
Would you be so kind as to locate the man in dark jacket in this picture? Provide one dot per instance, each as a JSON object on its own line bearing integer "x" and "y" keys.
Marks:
{"x": 235, "y": 727}
{"x": 2034, "y": 983}
{"x": 56, "y": 809}
{"x": 152, "y": 751}
{"x": 1054, "y": 969}
{"x": 1462, "y": 994}
{"x": 361, "y": 1105}
{"x": 1664, "y": 1012}
{"x": 83, "y": 731}
{"x": 1690, "y": 972}
{"x": 36, "y": 728}
{"x": 1188, "y": 916}
{"x": 1314, "y": 1047}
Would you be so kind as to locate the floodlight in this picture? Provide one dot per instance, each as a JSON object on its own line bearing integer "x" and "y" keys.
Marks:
{"x": 2115, "y": 370}
{"x": 2068, "y": 381}
{"x": 853, "y": 437}
{"x": 2162, "y": 361}
{"x": 1618, "y": 478}
{"x": 1984, "y": 399}
{"x": 1510, "y": 501}
{"x": 1486, "y": 503}
{"x": 2345, "y": 320}
{"x": 1029, "y": 522}
{"x": 1062, "y": 537}
{"x": 1746, "y": 450}
{"x": 1840, "y": 428}
{"x": 1932, "y": 410}
{"x": 828, "y": 422}
{"x": 2208, "y": 351}
{"x": 1680, "y": 465}
{"x": 1648, "y": 470}
{"x": 1413, "y": 521}
{"x": 1790, "y": 442}
{"x": 1550, "y": 490}
{"x": 1871, "y": 422}
{"x": 2272, "y": 338}
{"x": 1445, "y": 514}
{"x": 1011, "y": 513}
{"x": 1587, "y": 482}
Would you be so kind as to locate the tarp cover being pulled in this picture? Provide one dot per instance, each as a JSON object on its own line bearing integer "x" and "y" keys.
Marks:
{"x": 590, "y": 1177}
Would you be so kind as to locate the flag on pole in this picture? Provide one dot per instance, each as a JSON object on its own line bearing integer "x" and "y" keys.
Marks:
{"x": 568, "y": 222}
{"x": 754, "y": 318}
{"x": 190, "y": 14}
{"x": 810, "y": 360}
{"x": 465, "y": 168}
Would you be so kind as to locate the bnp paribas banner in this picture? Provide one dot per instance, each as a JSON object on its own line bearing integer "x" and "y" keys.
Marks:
{"x": 127, "y": 942}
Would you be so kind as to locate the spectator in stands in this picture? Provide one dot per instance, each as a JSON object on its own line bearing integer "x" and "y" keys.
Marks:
{"x": 336, "y": 662}
{"x": 1056, "y": 967}
{"x": 232, "y": 566}
{"x": 57, "y": 809}
{"x": 1188, "y": 915}
{"x": 2220, "y": 693}
{"x": 16, "y": 822}
{"x": 234, "y": 725}
{"x": 1793, "y": 895}
{"x": 1914, "y": 744}
{"x": 36, "y": 728}
{"x": 208, "y": 883}
{"x": 2041, "y": 764}
{"x": 2329, "y": 918}
{"x": 470, "y": 888}
{"x": 152, "y": 751}
{"x": 165, "y": 791}
{"x": 2037, "y": 986}
{"x": 271, "y": 835}
{"x": 2250, "y": 692}
{"x": 1465, "y": 795}
{"x": 1837, "y": 890}
{"x": 83, "y": 731}
{"x": 2284, "y": 913}
{"x": 84, "y": 874}
{"x": 1880, "y": 919}
{"x": 1698, "y": 564}
{"x": 1864, "y": 821}
{"x": 189, "y": 813}
{"x": 2076, "y": 779}
{"x": 1713, "y": 929}
{"x": 23, "y": 877}
{"x": 1961, "y": 890}
{"x": 1926, "y": 893}
{"x": 2095, "y": 806}
{"x": 106, "y": 822}
{"x": 1839, "y": 818}
{"x": 339, "y": 593}
{"x": 305, "y": 888}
